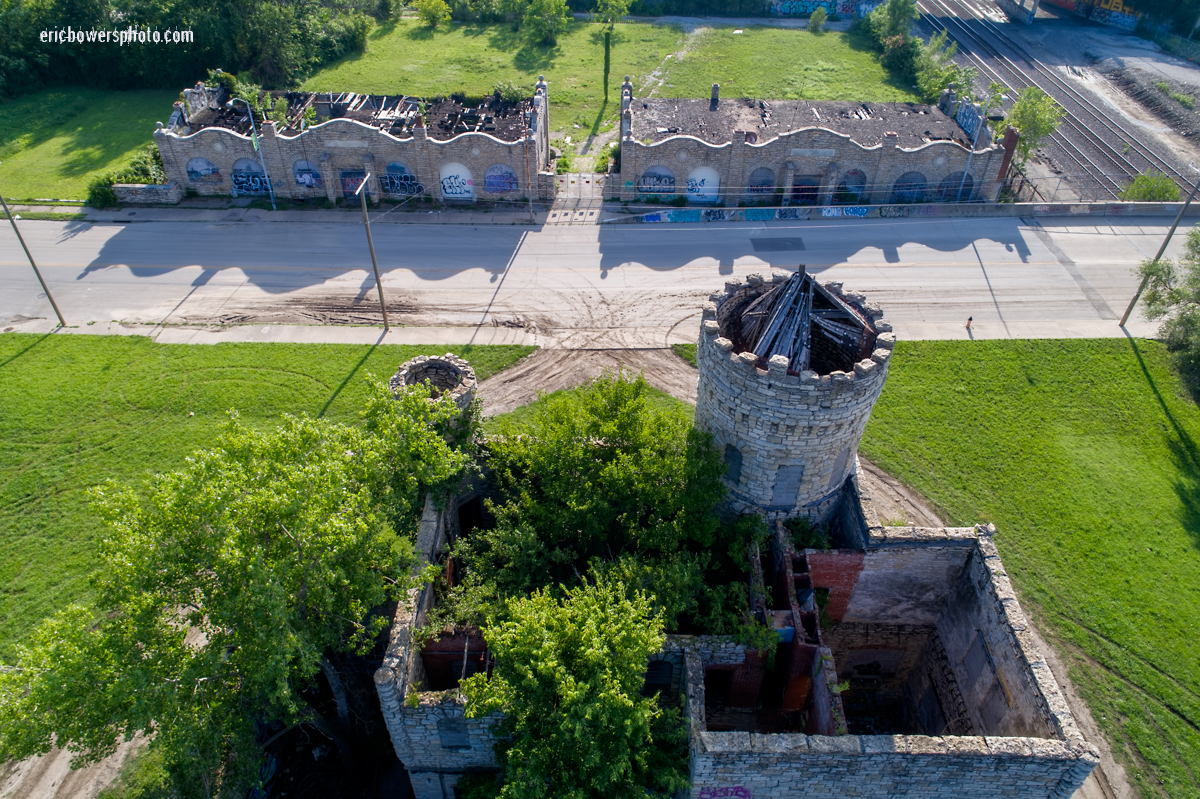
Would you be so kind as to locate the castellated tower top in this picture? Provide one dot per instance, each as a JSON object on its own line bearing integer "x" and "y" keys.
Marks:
{"x": 789, "y": 372}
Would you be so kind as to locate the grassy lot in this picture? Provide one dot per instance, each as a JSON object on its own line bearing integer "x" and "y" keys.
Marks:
{"x": 1084, "y": 454}
{"x": 783, "y": 64}
{"x": 53, "y": 142}
{"x": 408, "y": 57}
{"x": 75, "y": 410}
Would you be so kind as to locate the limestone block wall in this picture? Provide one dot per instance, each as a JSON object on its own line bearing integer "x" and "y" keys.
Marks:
{"x": 1005, "y": 680}
{"x": 340, "y": 151}
{"x": 774, "y": 423}
{"x": 446, "y": 374}
{"x": 810, "y": 152}
{"x": 149, "y": 193}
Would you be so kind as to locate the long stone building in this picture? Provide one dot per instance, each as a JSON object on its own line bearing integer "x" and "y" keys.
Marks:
{"x": 743, "y": 151}
{"x": 703, "y": 152}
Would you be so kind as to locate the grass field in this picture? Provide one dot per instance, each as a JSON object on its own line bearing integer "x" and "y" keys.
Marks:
{"x": 75, "y": 410}
{"x": 783, "y": 64}
{"x": 408, "y": 57}
{"x": 523, "y": 416}
{"x": 1084, "y": 454}
{"x": 53, "y": 142}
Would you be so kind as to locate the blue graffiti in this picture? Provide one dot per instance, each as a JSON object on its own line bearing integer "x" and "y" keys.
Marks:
{"x": 250, "y": 183}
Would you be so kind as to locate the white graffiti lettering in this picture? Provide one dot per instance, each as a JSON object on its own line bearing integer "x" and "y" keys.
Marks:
{"x": 250, "y": 183}
{"x": 455, "y": 186}
{"x": 400, "y": 185}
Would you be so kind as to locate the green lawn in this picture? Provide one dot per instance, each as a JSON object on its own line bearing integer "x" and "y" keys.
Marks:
{"x": 524, "y": 415}
{"x": 407, "y": 57}
{"x": 75, "y": 410}
{"x": 783, "y": 64}
{"x": 1084, "y": 454}
{"x": 53, "y": 142}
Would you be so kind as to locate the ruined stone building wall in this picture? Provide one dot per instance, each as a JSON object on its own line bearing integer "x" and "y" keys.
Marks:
{"x": 810, "y": 153}
{"x": 961, "y": 595}
{"x": 790, "y": 440}
{"x": 329, "y": 159}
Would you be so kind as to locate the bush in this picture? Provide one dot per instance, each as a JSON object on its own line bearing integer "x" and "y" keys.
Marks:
{"x": 100, "y": 191}
{"x": 510, "y": 91}
{"x": 936, "y": 69}
{"x": 545, "y": 19}
{"x": 900, "y": 55}
{"x": 1172, "y": 294}
{"x": 432, "y": 12}
{"x": 1152, "y": 187}
{"x": 817, "y": 20}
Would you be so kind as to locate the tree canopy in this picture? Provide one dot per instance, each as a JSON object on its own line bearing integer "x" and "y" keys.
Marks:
{"x": 568, "y": 679}
{"x": 1172, "y": 294}
{"x": 601, "y": 481}
{"x": 224, "y": 588}
{"x": 1036, "y": 115}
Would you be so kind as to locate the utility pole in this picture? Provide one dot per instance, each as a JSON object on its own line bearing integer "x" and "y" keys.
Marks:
{"x": 362, "y": 193}
{"x": 1161, "y": 250}
{"x": 13, "y": 219}
{"x": 254, "y": 140}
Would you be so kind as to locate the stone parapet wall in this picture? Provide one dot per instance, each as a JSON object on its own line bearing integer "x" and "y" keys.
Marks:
{"x": 445, "y": 373}
{"x": 771, "y": 420}
{"x": 149, "y": 193}
{"x": 814, "y": 152}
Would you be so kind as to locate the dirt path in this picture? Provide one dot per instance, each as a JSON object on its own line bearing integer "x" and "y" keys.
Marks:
{"x": 551, "y": 370}
{"x": 50, "y": 777}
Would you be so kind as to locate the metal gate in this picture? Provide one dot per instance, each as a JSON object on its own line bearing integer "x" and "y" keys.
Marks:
{"x": 578, "y": 199}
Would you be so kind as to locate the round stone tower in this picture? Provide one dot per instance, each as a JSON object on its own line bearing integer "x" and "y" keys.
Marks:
{"x": 446, "y": 374}
{"x": 789, "y": 372}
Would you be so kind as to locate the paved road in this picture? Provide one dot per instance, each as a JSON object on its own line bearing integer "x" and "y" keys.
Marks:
{"x": 587, "y": 286}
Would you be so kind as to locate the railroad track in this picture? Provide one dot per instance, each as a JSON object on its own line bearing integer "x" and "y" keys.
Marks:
{"x": 1089, "y": 141}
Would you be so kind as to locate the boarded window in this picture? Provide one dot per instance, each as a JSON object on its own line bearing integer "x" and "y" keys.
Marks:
{"x": 787, "y": 485}
{"x": 733, "y": 464}
{"x": 839, "y": 468}
{"x": 453, "y": 732}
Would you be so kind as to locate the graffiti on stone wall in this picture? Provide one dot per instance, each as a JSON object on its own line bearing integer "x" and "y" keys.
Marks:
{"x": 499, "y": 179}
{"x": 844, "y": 210}
{"x": 716, "y": 215}
{"x": 201, "y": 170}
{"x": 250, "y": 183}
{"x": 400, "y": 185}
{"x": 792, "y": 213}
{"x": 455, "y": 186}
{"x": 968, "y": 118}
{"x": 1115, "y": 18}
{"x": 805, "y": 8}
{"x": 735, "y": 792}
{"x": 894, "y": 211}
{"x": 656, "y": 180}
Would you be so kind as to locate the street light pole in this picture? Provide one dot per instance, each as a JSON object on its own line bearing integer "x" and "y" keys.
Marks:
{"x": 1161, "y": 250}
{"x": 361, "y": 192}
{"x": 974, "y": 142}
{"x": 29, "y": 255}
{"x": 257, "y": 146}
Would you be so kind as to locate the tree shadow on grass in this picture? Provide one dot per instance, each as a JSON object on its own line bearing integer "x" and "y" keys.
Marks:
{"x": 17, "y": 355}
{"x": 384, "y": 30}
{"x": 1184, "y": 453}
{"x": 350, "y": 376}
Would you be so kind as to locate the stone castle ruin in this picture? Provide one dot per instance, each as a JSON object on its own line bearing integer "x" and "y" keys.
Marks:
{"x": 904, "y": 664}
{"x": 703, "y": 152}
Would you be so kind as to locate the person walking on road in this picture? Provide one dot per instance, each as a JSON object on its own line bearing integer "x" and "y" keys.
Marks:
{"x": 968, "y": 324}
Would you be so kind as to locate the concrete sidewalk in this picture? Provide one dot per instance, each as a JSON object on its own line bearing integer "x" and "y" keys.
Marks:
{"x": 353, "y": 215}
{"x": 556, "y": 339}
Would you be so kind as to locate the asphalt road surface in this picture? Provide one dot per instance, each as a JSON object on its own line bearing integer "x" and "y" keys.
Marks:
{"x": 582, "y": 286}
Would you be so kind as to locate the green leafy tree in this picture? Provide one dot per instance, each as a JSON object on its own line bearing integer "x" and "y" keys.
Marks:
{"x": 432, "y": 12}
{"x": 610, "y": 12}
{"x": 546, "y": 19}
{"x": 1172, "y": 294}
{"x": 1035, "y": 115}
{"x": 936, "y": 68}
{"x": 893, "y": 18}
{"x": 817, "y": 20}
{"x": 226, "y": 587}
{"x": 568, "y": 679}
{"x": 1151, "y": 187}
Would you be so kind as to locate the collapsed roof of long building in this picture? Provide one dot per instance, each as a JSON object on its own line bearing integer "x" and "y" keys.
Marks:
{"x": 715, "y": 121}
{"x": 395, "y": 114}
